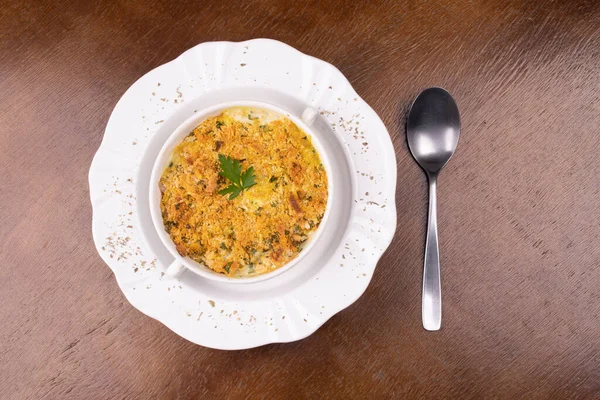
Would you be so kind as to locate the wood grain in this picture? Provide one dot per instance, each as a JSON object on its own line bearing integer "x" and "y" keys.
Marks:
{"x": 519, "y": 204}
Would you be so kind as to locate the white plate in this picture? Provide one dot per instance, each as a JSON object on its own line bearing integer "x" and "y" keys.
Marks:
{"x": 329, "y": 278}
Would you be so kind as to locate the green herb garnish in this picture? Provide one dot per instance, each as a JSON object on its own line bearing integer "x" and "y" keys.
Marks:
{"x": 170, "y": 225}
{"x": 232, "y": 170}
{"x": 227, "y": 267}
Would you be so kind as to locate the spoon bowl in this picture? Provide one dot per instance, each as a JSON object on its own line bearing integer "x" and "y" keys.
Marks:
{"x": 432, "y": 132}
{"x": 433, "y": 128}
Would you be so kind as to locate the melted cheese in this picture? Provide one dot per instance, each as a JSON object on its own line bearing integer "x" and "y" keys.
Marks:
{"x": 267, "y": 225}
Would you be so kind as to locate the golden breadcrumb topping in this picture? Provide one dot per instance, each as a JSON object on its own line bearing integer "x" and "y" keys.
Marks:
{"x": 264, "y": 226}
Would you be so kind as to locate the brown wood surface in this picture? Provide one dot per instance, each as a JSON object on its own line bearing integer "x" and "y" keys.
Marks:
{"x": 519, "y": 204}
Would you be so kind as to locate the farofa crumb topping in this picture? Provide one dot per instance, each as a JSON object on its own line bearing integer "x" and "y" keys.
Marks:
{"x": 266, "y": 225}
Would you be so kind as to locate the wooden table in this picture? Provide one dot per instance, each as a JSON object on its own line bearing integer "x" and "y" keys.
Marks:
{"x": 519, "y": 204}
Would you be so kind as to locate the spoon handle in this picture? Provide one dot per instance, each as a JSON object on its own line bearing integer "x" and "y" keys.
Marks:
{"x": 432, "y": 290}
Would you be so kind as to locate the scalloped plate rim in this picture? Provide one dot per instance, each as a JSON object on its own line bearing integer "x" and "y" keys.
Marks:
{"x": 144, "y": 307}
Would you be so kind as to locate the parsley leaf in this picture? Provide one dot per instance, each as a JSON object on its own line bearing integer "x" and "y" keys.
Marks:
{"x": 232, "y": 190}
{"x": 248, "y": 178}
{"x": 232, "y": 170}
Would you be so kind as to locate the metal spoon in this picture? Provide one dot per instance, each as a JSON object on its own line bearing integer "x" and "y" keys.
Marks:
{"x": 432, "y": 131}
